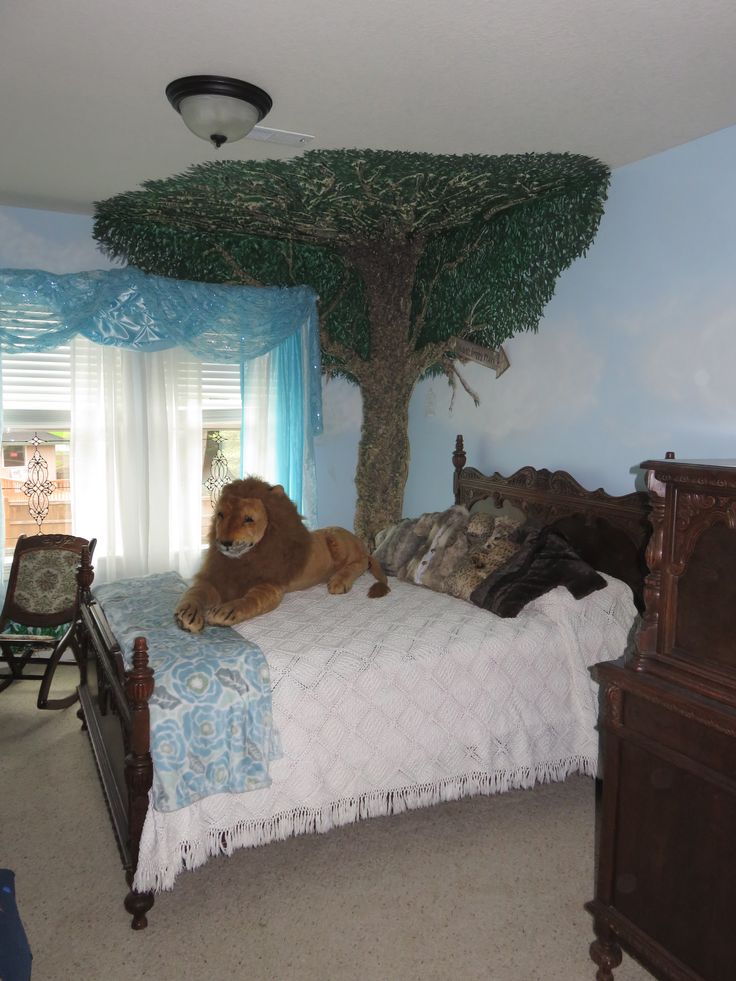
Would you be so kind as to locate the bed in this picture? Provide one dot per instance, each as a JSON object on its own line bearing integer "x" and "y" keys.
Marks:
{"x": 374, "y": 706}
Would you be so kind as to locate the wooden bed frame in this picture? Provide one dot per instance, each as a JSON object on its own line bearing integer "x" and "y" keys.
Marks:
{"x": 114, "y": 701}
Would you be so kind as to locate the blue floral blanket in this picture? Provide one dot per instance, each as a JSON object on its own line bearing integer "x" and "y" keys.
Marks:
{"x": 211, "y": 724}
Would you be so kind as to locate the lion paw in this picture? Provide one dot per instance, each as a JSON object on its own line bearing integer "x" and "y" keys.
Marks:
{"x": 224, "y": 615}
{"x": 337, "y": 585}
{"x": 190, "y": 617}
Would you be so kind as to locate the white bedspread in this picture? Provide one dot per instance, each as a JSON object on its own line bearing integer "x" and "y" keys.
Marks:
{"x": 400, "y": 702}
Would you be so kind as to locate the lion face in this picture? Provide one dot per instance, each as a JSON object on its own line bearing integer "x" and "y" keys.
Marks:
{"x": 240, "y": 524}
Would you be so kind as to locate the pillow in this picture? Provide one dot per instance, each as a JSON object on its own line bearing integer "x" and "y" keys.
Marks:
{"x": 400, "y": 548}
{"x": 486, "y": 505}
{"x": 505, "y": 529}
{"x": 480, "y": 524}
{"x": 544, "y": 560}
{"x": 445, "y": 544}
{"x": 396, "y": 545}
{"x": 484, "y": 555}
{"x": 608, "y": 549}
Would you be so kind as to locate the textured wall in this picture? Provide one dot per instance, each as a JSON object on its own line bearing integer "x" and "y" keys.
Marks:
{"x": 636, "y": 354}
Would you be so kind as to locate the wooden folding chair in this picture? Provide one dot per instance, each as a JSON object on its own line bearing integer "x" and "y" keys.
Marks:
{"x": 40, "y": 615}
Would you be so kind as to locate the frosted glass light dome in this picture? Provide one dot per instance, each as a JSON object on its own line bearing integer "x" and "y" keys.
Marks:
{"x": 216, "y": 108}
{"x": 218, "y": 118}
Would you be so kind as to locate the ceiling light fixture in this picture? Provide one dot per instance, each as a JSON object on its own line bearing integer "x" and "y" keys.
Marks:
{"x": 216, "y": 108}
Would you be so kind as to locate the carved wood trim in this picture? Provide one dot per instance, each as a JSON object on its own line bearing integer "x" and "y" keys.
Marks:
{"x": 547, "y": 495}
{"x": 646, "y": 641}
{"x": 709, "y": 683}
{"x": 612, "y": 926}
{"x": 614, "y": 706}
{"x": 695, "y": 514}
{"x": 708, "y": 721}
{"x": 699, "y": 475}
{"x": 686, "y": 502}
{"x": 666, "y": 695}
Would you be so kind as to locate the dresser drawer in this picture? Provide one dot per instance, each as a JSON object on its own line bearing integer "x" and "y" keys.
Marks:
{"x": 697, "y": 732}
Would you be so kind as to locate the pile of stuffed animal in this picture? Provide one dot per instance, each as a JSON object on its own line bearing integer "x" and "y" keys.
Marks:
{"x": 449, "y": 551}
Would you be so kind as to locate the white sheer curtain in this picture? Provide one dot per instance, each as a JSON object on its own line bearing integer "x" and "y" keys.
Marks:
{"x": 258, "y": 420}
{"x": 136, "y": 458}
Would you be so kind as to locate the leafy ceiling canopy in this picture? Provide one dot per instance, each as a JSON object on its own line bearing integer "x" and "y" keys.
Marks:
{"x": 338, "y": 196}
{"x": 489, "y": 234}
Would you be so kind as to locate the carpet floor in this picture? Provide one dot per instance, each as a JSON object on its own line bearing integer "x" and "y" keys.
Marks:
{"x": 487, "y": 888}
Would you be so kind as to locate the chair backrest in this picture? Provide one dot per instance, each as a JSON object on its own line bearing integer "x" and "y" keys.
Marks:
{"x": 42, "y": 586}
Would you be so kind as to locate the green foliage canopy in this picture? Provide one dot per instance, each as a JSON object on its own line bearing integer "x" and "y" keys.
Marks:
{"x": 490, "y": 235}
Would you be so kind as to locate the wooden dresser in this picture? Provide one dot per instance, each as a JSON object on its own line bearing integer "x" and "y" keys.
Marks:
{"x": 666, "y": 863}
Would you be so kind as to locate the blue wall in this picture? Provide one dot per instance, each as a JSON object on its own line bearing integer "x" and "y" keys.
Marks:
{"x": 636, "y": 353}
{"x": 50, "y": 240}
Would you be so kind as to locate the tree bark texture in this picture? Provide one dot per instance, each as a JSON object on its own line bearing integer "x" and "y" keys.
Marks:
{"x": 383, "y": 457}
{"x": 386, "y": 381}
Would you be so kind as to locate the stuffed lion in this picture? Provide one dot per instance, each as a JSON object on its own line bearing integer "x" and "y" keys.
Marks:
{"x": 260, "y": 549}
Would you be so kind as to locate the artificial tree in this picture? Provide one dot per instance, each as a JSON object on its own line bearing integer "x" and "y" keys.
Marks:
{"x": 410, "y": 254}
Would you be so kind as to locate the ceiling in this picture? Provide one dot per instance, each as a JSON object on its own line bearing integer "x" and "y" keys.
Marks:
{"x": 84, "y": 115}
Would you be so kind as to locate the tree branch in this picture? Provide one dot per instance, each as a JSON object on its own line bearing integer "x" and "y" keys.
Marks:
{"x": 337, "y": 296}
{"x": 463, "y": 206}
{"x": 243, "y": 278}
{"x": 290, "y": 260}
{"x": 442, "y": 267}
{"x": 349, "y": 360}
{"x": 453, "y": 376}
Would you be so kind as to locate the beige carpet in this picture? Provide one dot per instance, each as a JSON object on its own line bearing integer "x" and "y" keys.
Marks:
{"x": 486, "y": 888}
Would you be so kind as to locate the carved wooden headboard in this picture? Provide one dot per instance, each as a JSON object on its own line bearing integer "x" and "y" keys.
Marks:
{"x": 611, "y": 533}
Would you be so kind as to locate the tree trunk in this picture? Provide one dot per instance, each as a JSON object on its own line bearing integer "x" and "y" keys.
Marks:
{"x": 386, "y": 381}
{"x": 383, "y": 455}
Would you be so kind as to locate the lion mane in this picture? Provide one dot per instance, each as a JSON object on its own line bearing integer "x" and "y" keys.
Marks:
{"x": 260, "y": 549}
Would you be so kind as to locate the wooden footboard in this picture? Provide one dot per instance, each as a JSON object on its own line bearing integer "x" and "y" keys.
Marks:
{"x": 114, "y": 712}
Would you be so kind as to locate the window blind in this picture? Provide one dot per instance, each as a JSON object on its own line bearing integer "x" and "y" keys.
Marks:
{"x": 221, "y": 394}
{"x": 36, "y": 384}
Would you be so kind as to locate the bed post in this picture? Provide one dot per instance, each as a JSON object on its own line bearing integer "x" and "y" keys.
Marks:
{"x": 85, "y": 578}
{"x": 458, "y": 461}
{"x": 85, "y": 574}
{"x": 138, "y": 773}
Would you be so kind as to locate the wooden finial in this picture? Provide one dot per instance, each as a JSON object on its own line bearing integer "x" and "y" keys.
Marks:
{"x": 458, "y": 457}
{"x": 85, "y": 571}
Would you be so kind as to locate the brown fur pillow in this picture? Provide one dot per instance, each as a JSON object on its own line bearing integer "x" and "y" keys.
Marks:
{"x": 480, "y": 526}
{"x": 445, "y": 544}
{"x": 483, "y": 557}
{"x": 397, "y": 545}
{"x": 448, "y": 551}
{"x": 400, "y": 547}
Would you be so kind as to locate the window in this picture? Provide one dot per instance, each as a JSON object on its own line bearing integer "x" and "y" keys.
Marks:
{"x": 36, "y": 397}
{"x": 37, "y": 403}
{"x": 221, "y": 419}
{"x": 139, "y": 428}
